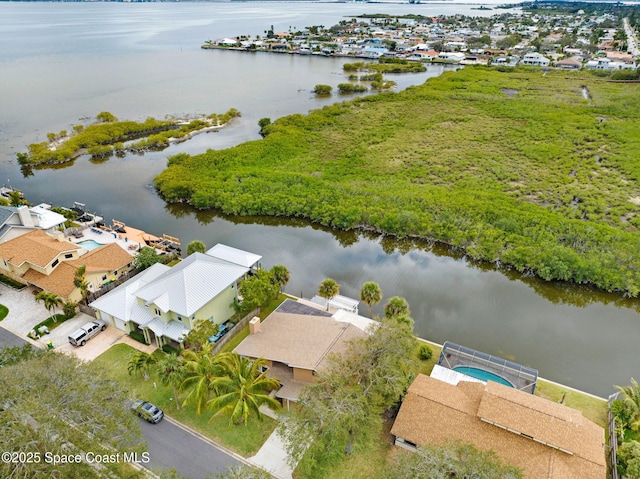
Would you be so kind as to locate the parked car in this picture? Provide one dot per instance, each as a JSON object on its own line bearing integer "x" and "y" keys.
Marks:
{"x": 86, "y": 332}
{"x": 222, "y": 330}
{"x": 147, "y": 411}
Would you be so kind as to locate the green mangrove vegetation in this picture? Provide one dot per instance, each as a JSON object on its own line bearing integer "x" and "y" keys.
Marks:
{"x": 108, "y": 136}
{"x": 386, "y": 65}
{"x": 530, "y": 170}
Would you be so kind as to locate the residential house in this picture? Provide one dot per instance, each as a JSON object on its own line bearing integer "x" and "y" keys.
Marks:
{"x": 297, "y": 339}
{"x": 103, "y": 265}
{"x": 16, "y": 221}
{"x": 535, "y": 59}
{"x": 49, "y": 263}
{"x": 164, "y": 303}
{"x": 546, "y": 440}
{"x": 569, "y": 64}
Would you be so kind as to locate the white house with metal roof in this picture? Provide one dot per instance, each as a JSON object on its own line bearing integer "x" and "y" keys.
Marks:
{"x": 165, "y": 303}
{"x": 16, "y": 221}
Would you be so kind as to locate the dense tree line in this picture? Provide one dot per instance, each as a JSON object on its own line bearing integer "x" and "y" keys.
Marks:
{"x": 512, "y": 167}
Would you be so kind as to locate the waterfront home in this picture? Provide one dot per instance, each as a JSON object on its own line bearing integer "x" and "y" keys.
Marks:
{"x": 569, "y": 64}
{"x": 546, "y": 440}
{"x": 16, "y": 221}
{"x": 164, "y": 303}
{"x": 50, "y": 263}
{"x": 297, "y": 340}
{"x": 535, "y": 59}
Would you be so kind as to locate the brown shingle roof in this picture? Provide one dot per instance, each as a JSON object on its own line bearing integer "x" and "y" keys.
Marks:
{"x": 109, "y": 257}
{"x": 60, "y": 281}
{"x": 35, "y": 247}
{"x": 298, "y": 340}
{"x": 105, "y": 258}
{"x": 436, "y": 412}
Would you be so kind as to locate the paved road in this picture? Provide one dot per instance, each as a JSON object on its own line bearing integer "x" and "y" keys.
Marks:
{"x": 171, "y": 446}
{"x": 8, "y": 339}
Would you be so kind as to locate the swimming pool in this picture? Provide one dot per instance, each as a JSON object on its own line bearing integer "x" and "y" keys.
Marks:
{"x": 89, "y": 244}
{"x": 482, "y": 375}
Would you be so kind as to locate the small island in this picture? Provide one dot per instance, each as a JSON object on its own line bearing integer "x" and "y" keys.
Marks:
{"x": 110, "y": 136}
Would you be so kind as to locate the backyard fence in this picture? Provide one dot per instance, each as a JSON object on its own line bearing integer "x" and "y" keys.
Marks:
{"x": 235, "y": 330}
{"x": 613, "y": 440}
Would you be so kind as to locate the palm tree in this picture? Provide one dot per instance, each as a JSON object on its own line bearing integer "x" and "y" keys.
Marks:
{"x": 281, "y": 275}
{"x": 51, "y": 301}
{"x": 396, "y": 307}
{"x": 370, "y": 294}
{"x": 80, "y": 282}
{"x": 631, "y": 397}
{"x": 201, "y": 370}
{"x": 171, "y": 371}
{"x": 243, "y": 389}
{"x": 196, "y": 246}
{"x": 328, "y": 290}
{"x": 139, "y": 363}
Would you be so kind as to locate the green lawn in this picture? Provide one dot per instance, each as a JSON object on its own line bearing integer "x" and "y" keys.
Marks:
{"x": 593, "y": 408}
{"x": 3, "y": 311}
{"x": 245, "y": 440}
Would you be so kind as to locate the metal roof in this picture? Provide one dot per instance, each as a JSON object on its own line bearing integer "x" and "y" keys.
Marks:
{"x": 192, "y": 283}
{"x": 121, "y": 302}
{"x": 234, "y": 255}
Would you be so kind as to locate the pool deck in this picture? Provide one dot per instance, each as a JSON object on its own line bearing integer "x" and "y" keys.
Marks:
{"x": 131, "y": 241}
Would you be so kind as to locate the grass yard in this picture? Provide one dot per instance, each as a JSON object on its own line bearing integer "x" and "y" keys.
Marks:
{"x": 245, "y": 440}
{"x": 593, "y": 408}
{"x": 3, "y": 311}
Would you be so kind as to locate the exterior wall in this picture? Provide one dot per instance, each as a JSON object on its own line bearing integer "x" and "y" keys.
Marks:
{"x": 305, "y": 375}
{"x": 166, "y": 317}
{"x": 219, "y": 308}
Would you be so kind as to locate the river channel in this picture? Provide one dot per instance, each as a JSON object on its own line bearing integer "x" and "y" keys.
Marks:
{"x": 67, "y": 62}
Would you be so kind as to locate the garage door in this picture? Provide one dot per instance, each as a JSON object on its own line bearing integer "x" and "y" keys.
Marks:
{"x": 118, "y": 323}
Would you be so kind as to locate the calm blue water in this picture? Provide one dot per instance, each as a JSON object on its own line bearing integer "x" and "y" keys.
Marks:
{"x": 482, "y": 375}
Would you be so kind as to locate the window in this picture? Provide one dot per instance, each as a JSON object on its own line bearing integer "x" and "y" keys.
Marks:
{"x": 55, "y": 263}
{"x": 115, "y": 273}
{"x": 263, "y": 368}
{"x": 104, "y": 277}
{"x": 158, "y": 312}
{"x": 68, "y": 255}
{"x": 179, "y": 318}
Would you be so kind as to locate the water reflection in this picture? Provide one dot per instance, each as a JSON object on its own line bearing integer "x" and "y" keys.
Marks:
{"x": 557, "y": 292}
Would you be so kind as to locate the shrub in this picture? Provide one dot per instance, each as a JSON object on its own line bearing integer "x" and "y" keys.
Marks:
{"x": 138, "y": 336}
{"x": 69, "y": 309}
{"x": 322, "y": 89}
{"x": 351, "y": 88}
{"x": 167, "y": 348}
{"x": 425, "y": 352}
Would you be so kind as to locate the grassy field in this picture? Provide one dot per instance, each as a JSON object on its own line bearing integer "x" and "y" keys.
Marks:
{"x": 591, "y": 407}
{"x": 243, "y": 440}
{"x": 536, "y": 171}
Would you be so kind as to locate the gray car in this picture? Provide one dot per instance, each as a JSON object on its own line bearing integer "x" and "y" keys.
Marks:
{"x": 147, "y": 411}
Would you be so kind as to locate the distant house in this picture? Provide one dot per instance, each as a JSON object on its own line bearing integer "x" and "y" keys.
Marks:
{"x": 453, "y": 57}
{"x": 49, "y": 263}
{"x": 535, "y": 59}
{"x": 569, "y": 64}
{"x": 164, "y": 303}
{"x": 16, "y": 221}
{"x": 297, "y": 339}
{"x": 545, "y": 439}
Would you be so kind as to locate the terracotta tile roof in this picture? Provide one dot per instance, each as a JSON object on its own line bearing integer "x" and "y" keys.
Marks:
{"x": 436, "y": 412}
{"x": 60, "y": 281}
{"x": 35, "y": 247}
{"x": 109, "y": 257}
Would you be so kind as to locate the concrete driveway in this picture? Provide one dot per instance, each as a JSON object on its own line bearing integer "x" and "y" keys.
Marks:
{"x": 24, "y": 312}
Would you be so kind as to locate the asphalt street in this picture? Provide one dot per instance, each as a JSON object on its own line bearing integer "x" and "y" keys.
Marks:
{"x": 172, "y": 447}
